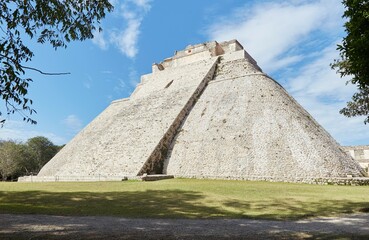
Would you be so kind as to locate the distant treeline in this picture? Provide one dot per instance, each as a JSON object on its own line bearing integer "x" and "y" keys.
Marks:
{"x": 19, "y": 159}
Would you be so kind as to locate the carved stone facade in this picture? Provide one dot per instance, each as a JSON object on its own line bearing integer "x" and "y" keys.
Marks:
{"x": 207, "y": 112}
{"x": 359, "y": 153}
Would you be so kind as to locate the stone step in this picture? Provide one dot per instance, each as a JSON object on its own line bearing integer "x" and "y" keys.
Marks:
{"x": 156, "y": 177}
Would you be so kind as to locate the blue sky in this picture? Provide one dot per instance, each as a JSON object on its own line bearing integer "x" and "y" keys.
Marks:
{"x": 292, "y": 40}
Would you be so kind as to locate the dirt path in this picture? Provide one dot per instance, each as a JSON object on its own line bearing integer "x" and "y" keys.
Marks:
{"x": 355, "y": 226}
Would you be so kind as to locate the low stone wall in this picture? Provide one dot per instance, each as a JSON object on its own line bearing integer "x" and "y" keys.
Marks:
{"x": 320, "y": 181}
{"x": 75, "y": 178}
{"x": 355, "y": 181}
{"x": 343, "y": 181}
{"x": 156, "y": 177}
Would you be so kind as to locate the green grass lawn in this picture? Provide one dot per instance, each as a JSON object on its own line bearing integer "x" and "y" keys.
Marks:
{"x": 183, "y": 198}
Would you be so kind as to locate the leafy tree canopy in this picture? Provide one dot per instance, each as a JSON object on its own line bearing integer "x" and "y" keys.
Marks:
{"x": 40, "y": 150}
{"x": 11, "y": 154}
{"x": 56, "y": 22}
{"x": 354, "y": 56}
{"x": 18, "y": 159}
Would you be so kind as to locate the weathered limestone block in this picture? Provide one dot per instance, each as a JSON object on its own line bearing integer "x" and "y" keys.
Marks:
{"x": 156, "y": 177}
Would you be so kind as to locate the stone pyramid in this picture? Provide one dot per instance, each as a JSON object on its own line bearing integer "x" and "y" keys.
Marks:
{"x": 207, "y": 112}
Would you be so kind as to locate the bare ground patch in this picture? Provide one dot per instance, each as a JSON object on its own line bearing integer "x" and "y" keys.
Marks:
{"x": 354, "y": 226}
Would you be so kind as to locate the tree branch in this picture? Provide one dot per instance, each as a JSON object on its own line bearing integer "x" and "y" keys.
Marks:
{"x": 34, "y": 69}
{"x": 44, "y": 73}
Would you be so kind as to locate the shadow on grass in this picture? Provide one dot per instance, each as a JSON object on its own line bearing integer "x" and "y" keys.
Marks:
{"x": 291, "y": 209}
{"x": 150, "y": 203}
{"x": 168, "y": 204}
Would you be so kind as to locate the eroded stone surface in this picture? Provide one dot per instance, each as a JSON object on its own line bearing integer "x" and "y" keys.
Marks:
{"x": 246, "y": 125}
{"x": 207, "y": 112}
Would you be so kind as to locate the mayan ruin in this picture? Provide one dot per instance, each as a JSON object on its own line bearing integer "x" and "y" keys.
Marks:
{"x": 207, "y": 112}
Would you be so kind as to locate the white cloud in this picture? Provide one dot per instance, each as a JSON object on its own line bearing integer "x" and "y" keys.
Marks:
{"x": 323, "y": 93}
{"x": 316, "y": 78}
{"x": 145, "y": 4}
{"x": 21, "y": 131}
{"x": 73, "y": 123}
{"x": 131, "y": 13}
{"x": 99, "y": 40}
{"x": 126, "y": 41}
{"x": 272, "y": 32}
